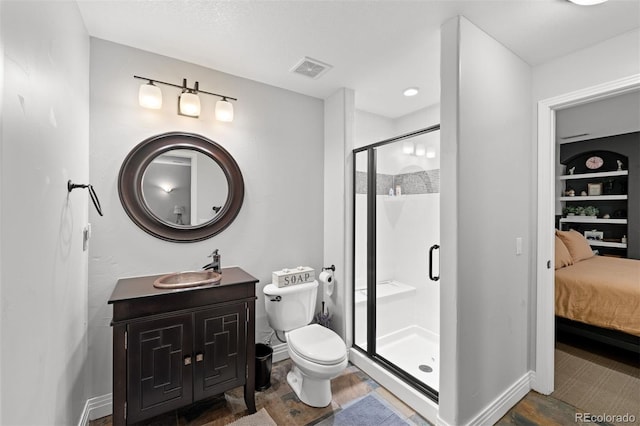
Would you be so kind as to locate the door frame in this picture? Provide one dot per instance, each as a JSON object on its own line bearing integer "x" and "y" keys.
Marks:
{"x": 545, "y": 286}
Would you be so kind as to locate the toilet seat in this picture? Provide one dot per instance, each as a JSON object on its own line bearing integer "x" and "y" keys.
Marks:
{"x": 317, "y": 344}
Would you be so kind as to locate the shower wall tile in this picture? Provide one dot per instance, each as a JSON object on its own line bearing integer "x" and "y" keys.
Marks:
{"x": 361, "y": 182}
{"x": 423, "y": 182}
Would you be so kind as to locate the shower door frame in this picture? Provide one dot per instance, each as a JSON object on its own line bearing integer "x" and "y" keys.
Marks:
{"x": 370, "y": 352}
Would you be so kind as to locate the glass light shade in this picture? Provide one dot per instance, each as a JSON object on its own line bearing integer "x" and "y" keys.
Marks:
{"x": 431, "y": 153}
{"x": 407, "y": 147}
{"x": 224, "y": 110}
{"x": 150, "y": 96}
{"x": 189, "y": 104}
{"x": 420, "y": 150}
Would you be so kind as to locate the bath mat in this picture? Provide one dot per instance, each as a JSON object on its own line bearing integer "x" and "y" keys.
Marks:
{"x": 367, "y": 411}
{"x": 261, "y": 418}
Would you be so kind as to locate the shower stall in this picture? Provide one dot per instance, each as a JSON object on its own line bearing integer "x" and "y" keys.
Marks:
{"x": 396, "y": 210}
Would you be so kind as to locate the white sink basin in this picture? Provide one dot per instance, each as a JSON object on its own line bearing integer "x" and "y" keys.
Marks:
{"x": 187, "y": 279}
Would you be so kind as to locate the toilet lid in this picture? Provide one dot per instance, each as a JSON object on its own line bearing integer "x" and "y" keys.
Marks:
{"x": 317, "y": 344}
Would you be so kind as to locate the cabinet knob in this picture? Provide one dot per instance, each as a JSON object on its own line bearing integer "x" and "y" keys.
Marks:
{"x": 187, "y": 360}
{"x": 199, "y": 357}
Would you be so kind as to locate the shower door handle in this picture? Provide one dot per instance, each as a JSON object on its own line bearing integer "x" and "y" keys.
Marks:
{"x": 431, "y": 277}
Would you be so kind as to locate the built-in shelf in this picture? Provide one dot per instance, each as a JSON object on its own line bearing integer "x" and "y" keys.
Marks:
{"x": 594, "y": 198}
{"x": 588, "y": 219}
{"x": 596, "y": 243}
{"x": 595, "y": 175}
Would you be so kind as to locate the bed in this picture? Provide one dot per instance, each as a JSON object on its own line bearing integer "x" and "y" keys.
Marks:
{"x": 597, "y": 296}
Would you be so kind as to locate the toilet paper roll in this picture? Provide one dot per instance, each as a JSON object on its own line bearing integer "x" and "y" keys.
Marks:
{"x": 326, "y": 278}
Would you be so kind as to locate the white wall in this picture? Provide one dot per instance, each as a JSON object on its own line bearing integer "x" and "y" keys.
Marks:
{"x": 45, "y": 132}
{"x": 485, "y": 176}
{"x": 339, "y": 114}
{"x": 606, "y": 61}
{"x": 277, "y": 141}
{"x": 371, "y": 128}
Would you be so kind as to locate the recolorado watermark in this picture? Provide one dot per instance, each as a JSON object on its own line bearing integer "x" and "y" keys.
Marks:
{"x": 601, "y": 418}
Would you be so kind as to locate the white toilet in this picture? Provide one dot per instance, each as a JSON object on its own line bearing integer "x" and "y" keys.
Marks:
{"x": 318, "y": 353}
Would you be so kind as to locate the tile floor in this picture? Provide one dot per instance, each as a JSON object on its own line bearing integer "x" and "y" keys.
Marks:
{"x": 287, "y": 410}
{"x": 283, "y": 405}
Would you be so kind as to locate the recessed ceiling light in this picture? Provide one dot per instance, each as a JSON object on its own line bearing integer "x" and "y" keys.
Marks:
{"x": 411, "y": 91}
{"x": 587, "y": 2}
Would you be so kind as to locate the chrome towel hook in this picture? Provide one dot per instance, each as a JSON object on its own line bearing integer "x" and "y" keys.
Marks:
{"x": 92, "y": 193}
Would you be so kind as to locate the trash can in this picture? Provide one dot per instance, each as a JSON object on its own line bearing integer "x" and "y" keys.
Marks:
{"x": 264, "y": 356}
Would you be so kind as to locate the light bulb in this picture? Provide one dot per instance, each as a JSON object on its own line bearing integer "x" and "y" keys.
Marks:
{"x": 420, "y": 150}
{"x": 431, "y": 153}
{"x": 189, "y": 104}
{"x": 150, "y": 96}
{"x": 224, "y": 110}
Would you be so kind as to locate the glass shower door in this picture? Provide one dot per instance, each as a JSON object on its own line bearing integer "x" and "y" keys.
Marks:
{"x": 407, "y": 234}
{"x": 396, "y": 256}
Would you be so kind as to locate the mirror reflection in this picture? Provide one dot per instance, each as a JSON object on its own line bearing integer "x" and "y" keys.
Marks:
{"x": 183, "y": 187}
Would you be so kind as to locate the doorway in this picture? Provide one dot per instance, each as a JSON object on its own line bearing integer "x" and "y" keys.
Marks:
{"x": 545, "y": 288}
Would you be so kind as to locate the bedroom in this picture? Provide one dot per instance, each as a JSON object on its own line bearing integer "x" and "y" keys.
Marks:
{"x": 597, "y": 271}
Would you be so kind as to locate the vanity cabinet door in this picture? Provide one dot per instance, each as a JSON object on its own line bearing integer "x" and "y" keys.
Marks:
{"x": 220, "y": 349}
{"x": 159, "y": 365}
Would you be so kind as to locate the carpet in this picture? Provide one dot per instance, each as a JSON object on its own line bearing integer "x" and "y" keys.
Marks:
{"x": 597, "y": 384}
{"x": 366, "y": 411}
{"x": 261, "y": 418}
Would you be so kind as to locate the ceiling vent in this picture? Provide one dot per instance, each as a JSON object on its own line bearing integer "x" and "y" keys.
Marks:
{"x": 310, "y": 67}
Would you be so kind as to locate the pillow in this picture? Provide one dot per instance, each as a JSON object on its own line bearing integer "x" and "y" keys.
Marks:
{"x": 577, "y": 245}
{"x": 563, "y": 257}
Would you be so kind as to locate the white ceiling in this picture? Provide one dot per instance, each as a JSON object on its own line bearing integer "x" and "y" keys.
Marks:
{"x": 377, "y": 48}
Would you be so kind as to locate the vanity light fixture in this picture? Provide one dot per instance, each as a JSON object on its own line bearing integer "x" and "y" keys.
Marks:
{"x": 420, "y": 149}
{"x": 166, "y": 187}
{"x": 431, "y": 153}
{"x": 150, "y": 96}
{"x": 189, "y": 101}
{"x": 224, "y": 110}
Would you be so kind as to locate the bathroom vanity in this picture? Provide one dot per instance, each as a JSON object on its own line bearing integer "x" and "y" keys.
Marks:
{"x": 173, "y": 347}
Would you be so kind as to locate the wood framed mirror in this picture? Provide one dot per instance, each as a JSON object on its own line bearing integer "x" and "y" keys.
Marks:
{"x": 180, "y": 187}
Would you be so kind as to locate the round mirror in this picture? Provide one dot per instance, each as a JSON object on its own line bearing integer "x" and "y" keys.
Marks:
{"x": 181, "y": 187}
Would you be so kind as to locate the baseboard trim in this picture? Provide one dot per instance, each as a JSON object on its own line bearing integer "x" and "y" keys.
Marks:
{"x": 95, "y": 408}
{"x": 501, "y": 405}
{"x": 280, "y": 352}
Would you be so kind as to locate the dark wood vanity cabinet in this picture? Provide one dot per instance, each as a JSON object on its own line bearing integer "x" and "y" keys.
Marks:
{"x": 174, "y": 347}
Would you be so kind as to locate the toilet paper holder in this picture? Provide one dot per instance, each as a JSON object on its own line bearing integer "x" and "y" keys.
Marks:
{"x": 332, "y": 268}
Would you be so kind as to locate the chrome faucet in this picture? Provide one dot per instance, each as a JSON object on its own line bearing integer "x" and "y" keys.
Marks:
{"x": 215, "y": 262}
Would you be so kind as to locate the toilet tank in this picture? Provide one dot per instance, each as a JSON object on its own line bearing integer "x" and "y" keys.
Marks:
{"x": 290, "y": 307}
